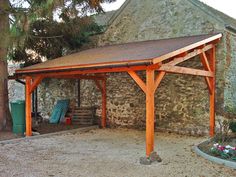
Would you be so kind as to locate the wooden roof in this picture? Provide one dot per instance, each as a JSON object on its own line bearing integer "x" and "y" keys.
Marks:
{"x": 129, "y": 54}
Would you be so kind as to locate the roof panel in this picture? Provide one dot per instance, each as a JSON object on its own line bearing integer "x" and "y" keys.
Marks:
{"x": 132, "y": 53}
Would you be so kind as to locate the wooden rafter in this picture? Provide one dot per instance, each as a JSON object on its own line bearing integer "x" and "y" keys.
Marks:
{"x": 187, "y": 48}
{"x": 190, "y": 55}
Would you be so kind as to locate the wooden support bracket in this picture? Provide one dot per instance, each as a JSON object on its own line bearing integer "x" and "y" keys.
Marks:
{"x": 158, "y": 80}
{"x": 207, "y": 67}
{"x": 99, "y": 86}
{"x": 138, "y": 80}
{"x": 35, "y": 83}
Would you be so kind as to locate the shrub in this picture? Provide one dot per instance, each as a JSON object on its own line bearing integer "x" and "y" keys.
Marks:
{"x": 232, "y": 126}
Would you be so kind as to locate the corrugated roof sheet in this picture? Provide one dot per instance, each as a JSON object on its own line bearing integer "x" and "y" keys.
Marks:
{"x": 130, "y": 53}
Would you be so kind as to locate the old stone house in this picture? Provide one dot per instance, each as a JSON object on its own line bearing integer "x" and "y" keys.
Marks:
{"x": 181, "y": 101}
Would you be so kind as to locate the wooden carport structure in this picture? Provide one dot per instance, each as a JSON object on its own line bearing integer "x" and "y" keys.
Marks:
{"x": 157, "y": 56}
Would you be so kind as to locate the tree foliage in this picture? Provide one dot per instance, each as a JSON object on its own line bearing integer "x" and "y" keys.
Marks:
{"x": 50, "y": 39}
{"x": 37, "y": 35}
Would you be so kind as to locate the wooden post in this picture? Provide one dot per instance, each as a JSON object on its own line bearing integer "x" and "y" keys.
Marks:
{"x": 78, "y": 82}
{"x": 212, "y": 95}
{"x": 104, "y": 103}
{"x": 149, "y": 112}
{"x": 28, "y": 106}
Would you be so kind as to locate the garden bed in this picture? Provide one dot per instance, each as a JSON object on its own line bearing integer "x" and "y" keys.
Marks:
{"x": 226, "y": 150}
{"x": 222, "y": 153}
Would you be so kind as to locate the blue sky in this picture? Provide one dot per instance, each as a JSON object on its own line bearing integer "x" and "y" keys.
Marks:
{"x": 226, "y": 6}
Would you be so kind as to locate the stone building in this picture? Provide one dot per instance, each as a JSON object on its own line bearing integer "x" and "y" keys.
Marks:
{"x": 181, "y": 101}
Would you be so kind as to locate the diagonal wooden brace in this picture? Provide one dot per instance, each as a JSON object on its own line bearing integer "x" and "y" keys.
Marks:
{"x": 98, "y": 84}
{"x": 138, "y": 80}
{"x": 207, "y": 67}
{"x": 35, "y": 83}
{"x": 158, "y": 79}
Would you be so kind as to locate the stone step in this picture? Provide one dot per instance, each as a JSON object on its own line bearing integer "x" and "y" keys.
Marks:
{"x": 82, "y": 119}
{"x": 83, "y": 108}
{"x": 83, "y": 112}
{"x": 83, "y": 122}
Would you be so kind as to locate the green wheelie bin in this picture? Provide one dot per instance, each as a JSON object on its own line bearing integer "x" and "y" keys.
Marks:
{"x": 18, "y": 116}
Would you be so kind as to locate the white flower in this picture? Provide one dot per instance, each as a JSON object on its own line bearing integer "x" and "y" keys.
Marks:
{"x": 229, "y": 147}
{"x": 216, "y": 145}
{"x": 226, "y": 151}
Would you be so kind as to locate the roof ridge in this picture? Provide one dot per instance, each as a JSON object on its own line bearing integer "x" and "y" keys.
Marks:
{"x": 118, "y": 12}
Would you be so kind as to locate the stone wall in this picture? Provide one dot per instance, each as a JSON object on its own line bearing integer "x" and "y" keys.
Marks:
{"x": 52, "y": 90}
{"x": 230, "y": 79}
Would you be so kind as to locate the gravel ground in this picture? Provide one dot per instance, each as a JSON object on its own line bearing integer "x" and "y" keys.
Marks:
{"x": 105, "y": 153}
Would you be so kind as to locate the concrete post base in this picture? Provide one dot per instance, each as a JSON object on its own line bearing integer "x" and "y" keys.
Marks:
{"x": 149, "y": 160}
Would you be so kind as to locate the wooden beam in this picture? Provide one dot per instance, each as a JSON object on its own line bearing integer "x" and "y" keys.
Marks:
{"x": 184, "y": 70}
{"x": 149, "y": 112}
{"x": 138, "y": 80}
{"x": 93, "y": 71}
{"x": 158, "y": 79}
{"x": 212, "y": 95}
{"x": 28, "y": 106}
{"x": 87, "y": 77}
{"x": 196, "y": 52}
{"x": 114, "y": 64}
{"x": 187, "y": 48}
{"x": 104, "y": 103}
{"x": 35, "y": 83}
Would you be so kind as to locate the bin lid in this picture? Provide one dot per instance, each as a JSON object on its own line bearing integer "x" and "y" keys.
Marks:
{"x": 18, "y": 102}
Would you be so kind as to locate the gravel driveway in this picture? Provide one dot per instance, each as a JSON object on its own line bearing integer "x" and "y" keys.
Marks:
{"x": 105, "y": 153}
